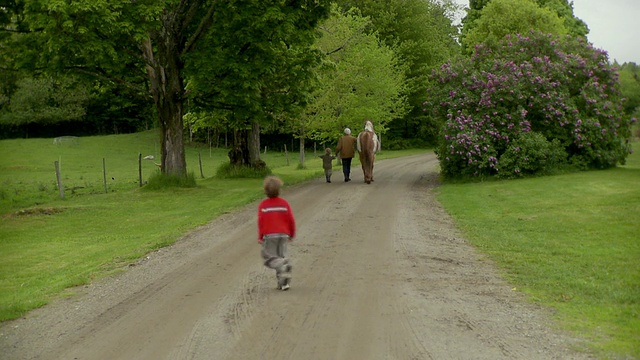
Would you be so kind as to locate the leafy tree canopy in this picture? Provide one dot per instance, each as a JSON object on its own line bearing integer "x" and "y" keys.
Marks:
{"x": 630, "y": 88}
{"x": 502, "y": 17}
{"x": 149, "y": 46}
{"x": 258, "y": 71}
{"x": 46, "y": 100}
{"x": 361, "y": 78}
{"x": 562, "y": 8}
{"x": 423, "y": 37}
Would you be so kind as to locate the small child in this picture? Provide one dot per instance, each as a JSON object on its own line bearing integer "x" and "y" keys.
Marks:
{"x": 276, "y": 228}
{"x": 326, "y": 163}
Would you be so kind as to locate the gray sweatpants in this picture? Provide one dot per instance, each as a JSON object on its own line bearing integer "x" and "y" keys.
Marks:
{"x": 274, "y": 253}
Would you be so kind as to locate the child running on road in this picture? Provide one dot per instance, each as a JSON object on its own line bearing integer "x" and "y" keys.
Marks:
{"x": 276, "y": 228}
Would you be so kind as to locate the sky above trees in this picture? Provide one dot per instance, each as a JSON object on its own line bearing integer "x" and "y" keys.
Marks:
{"x": 613, "y": 26}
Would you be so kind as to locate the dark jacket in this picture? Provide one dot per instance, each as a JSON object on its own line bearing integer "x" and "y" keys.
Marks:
{"x": 326, "y": 161}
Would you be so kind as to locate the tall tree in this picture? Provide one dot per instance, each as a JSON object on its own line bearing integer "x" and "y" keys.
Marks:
{"x": 256, "y": 64}
{"x": 423, "y": 36}
{"x": 147, "y": 45}
{"x": 630, "y": 88}
{"x": 503, "y": 17}
{"x": 562, "y": 8}
{"x": 117, "y": 40}
{"x": 45, "y": 101}
{"x": 362, "y": 78}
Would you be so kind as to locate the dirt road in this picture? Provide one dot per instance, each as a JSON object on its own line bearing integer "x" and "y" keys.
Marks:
{"x": 379, "y": 273}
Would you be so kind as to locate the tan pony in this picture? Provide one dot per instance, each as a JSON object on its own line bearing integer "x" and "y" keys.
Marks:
{"x": 368, "y": 145}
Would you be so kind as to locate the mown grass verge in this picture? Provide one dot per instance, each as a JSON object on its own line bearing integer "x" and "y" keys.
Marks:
{"x": 571, "y": 242}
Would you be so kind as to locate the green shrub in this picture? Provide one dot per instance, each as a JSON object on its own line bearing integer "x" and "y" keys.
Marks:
{"x": 562, "y": 88}
{"x": 403, "y": 144}
{"x": 228, "y": 171}
{"x": 529, "y": 154}
{"x": 159, "y": 181}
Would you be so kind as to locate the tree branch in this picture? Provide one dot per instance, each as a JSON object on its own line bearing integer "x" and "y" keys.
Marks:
{"x": 204, "y": 25}
{"x": 334, "y": 51}
{"x": 101, "y": 74}
{"x": 16, "y": 31}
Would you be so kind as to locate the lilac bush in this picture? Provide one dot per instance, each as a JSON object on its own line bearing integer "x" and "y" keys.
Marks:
{"x": 528, "y": 106}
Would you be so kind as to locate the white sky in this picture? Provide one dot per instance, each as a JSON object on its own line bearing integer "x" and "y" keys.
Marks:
{"x": 614, "y": 26}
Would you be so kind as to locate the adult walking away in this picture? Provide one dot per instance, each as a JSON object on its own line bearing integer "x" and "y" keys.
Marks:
{"x": 276, "y": 228}
{"x": 346, "y": 150}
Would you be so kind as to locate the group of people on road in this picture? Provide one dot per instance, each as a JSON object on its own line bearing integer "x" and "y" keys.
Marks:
{"x": 276, "y": 223}
{"x": 346, "y": 150}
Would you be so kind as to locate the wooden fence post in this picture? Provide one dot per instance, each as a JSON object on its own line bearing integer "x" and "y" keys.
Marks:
{"x": 286, "y": 154}
{"x": 104, "y": 174}
{"x": 60, "y": 187}
{"x": 200, "y": 160}
{"x": 140, "y": 169}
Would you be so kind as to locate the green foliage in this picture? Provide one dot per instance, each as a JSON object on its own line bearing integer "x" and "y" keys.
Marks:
{"x": 560, "y": 88}
{"x": 360, "y": 79}
{"x": 403, "y": 144}
{"x": 256, "y": 60}
{"x": 46, "y": 100}
{"x": 562, "y": 8}
{"x": 231, "y": 171}
{"x": 502, "y": 17}
{"x": 531, "y": 154}
{"x": 630, "y": 88}
{"x": 422, "y": 36}
{"x": 160, "y": 181}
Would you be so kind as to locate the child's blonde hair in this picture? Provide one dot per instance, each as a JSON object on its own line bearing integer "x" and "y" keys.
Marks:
{"x": 327, "y": 151}
{"x": 272, "y": 185}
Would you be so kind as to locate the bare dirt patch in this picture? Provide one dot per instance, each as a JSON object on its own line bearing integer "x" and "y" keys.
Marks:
{"x": 39, "y": 211}
{"x": 380, "y": 272}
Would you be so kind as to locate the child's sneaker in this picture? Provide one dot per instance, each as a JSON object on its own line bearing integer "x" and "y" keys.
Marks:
{"x": 285, "y": 283}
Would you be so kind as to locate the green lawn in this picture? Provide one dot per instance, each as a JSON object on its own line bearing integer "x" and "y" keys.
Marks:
{"x": 571, "y": 242}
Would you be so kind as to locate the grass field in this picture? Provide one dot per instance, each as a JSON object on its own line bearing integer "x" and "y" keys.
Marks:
{"x": 570, "y": 242}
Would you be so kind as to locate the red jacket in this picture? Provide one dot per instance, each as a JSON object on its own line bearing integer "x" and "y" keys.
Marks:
{"x": 275, "y": 217}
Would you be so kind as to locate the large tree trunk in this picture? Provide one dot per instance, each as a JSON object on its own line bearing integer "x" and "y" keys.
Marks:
{"x": 246, "y": 147}
{"x": 254, "y": 143}
{"x": 239, "y": 154}
{"x": 167, "y": 89}
{"x": 301, "y": 142}
{"x": 301, "y": 151}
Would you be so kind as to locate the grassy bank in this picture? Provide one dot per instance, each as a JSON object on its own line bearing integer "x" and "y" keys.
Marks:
{"x": 570, "y": 242}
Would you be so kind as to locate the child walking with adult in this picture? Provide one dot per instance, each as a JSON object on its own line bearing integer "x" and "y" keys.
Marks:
{"x": 276, "y": 228}
{"x": 327, "y": 164}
